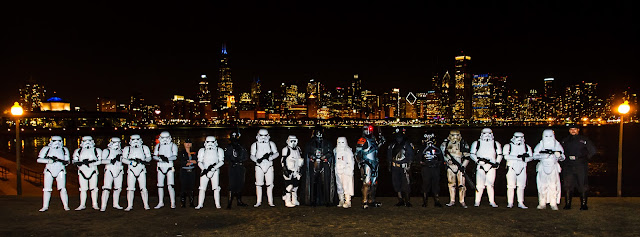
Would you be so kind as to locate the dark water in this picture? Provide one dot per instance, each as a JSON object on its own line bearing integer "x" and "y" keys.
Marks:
{"x": 602, "y": 175}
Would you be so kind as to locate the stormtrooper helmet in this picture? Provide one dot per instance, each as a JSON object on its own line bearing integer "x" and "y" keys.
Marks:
{"x": 292, "y": 141}
{"x": 367, "y": 130}
{"x": 135, "y": 140}
{"x": 454, "y": 136}
{"x": 87, "y": 142}
{"x": 518, "y": 138}
{"x": 486, "y": 135}
{"x": 210, "y": 143}
{"x": 342, "y": 142}
{"x": 56, "y": 142}
{"x": 114, "y": 143}
{"x": 165, "y": 138}
{"x": 548, "y": 138}
{"x": 263, "y": 136}
{"x": 429, "y": 138}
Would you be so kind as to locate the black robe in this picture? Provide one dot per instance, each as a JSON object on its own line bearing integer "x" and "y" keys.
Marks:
{"x": 309, "y": 176}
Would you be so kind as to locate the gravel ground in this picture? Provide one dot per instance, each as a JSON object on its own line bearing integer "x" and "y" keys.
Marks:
{"x": 606, "y": 217}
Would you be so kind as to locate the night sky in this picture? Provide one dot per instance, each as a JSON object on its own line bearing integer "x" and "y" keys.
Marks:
{"x": 85, "y": 51}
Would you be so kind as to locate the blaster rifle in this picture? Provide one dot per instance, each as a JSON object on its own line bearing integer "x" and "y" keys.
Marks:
{"x": 264, "y": 157}
{"x": 163, "y": 158}
{"x": 487, "y": 161}
{"x": 138, "y": 160}
{"x": 523, "y": 156}
{"x": 56, "y": 159}
{"x": 205, "y": 171}
{"x": 461, "y": 169}
{"x": 84, "y": 162}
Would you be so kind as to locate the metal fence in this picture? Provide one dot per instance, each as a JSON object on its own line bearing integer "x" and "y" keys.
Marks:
{"x": 3, "y": 173}
{"x": 33, "y": 177}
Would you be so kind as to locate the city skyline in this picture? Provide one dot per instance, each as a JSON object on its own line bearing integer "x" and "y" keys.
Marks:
{"x": 118, "y": 55}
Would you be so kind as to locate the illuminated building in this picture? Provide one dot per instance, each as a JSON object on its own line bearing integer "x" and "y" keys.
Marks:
{"x": 256, "y": 90}
{"x": 550, "y": 98}
{"x": 225, "y": 85}
{"x": 462, "y": 89}
{"x": 355, "y": 91}
{"x": 499, "y": 95}
{"x": 428, "y": 105}
{"x": 312, "y": 107}
{"x": 204, "y": 95}
{"x": 106, "y": 105}
{"x": 532, "y": 108}
{"x": 482, "y": 97}
{"x": 245, "y": 102}
{"x": 290, "y": 97}
{"x": 444, "y": 92}
{"x": 31, "y": 95}
{"x": 55, "y": 104}
{"x": 135, "y": 108}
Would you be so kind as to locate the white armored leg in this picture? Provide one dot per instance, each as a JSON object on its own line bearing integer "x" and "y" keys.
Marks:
{"x": 116, "y": 199}
{"x": 294, "y": 197}
{"x": 105, "y": 198}
{"x": 94, "y": 199}
{"x": 510, "y": 194}
{"x": 170, "y": 183}
{"x": 215, "y": 185}
{"x": 201, "y": 198}
{"x": 451, "y": 178}
{"x": 46, "y": 191}
{"x": 130, "y": 196}
{"x": 64, "y": 197}
{"x": 145, "y": 198}
{"x": 491, "y": 194}
{"x": 83, "y": 200}
{"x": 258, "y": 196}
{"x": 347, "y": 201}
{"x": 520, "y": 198}
{"x": 46, "y": 196}
{"x": 269, "y": 180}
{"x": 161, "y": 177}
{"x": 216, "y": 196}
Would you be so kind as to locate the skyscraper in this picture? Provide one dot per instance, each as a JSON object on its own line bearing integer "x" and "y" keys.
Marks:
{"x": 463, "y": 90}
{"x": 225, "y": 85}
{"x": 31, "y": 95}
{"x": 482, "y": 98}
{"x": 256, "y": 89}
{"x": 446, "y": 96}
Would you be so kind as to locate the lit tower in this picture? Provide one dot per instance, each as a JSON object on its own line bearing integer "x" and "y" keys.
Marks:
{"x": 463, "y": 90}
{"x": 31, "y": 95}
{"x": 225, "y": 85}
{"x": 204, "y": 95}
{"x": 256, "y": 89}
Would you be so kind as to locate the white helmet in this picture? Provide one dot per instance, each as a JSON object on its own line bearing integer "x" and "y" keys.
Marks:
{"x": 87, "y": 142}
{"x": 55, "y": 142}
{"x": 165, "y": 138}
{"x": 292, "y": 141}
{"x": 486, "y": 135}
{"x": 135, "y": 140}
{"x": 342, "y": 143}
{"x": 518, "y": 138}
{"x": 210, "y": 143}
{"x": 114, "y": 143}
{"x": 263, "y": 136}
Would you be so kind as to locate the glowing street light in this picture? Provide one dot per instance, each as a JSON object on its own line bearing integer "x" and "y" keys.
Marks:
{"x": 17, "y": 111}
{"x": 622, "y": 109}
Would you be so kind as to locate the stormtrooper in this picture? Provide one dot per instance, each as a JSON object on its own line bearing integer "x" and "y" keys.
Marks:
{"x": 431, "y": 158}
{"x": 165, "y": 153}
{"x": 210, "y": 159}
{"x": 319, "y": 171}
{"x": 367, "y": 158}
{"x": 344, "y": 172}
{"x": 487, "y": 153}
{"x": 517, "y": 154}
{"x": 136, "y": 156}
{"x": 86, "y": 158}
{"x": 56, "y": 157}
{"x": 548, "y": 152}
{"x": 291, "y": 162}
{"x": 400, "y": 155}
{"x": 113, "y": 173}
{"x": 236, "y": 155}
{"x": 456, "y": 154}
{"x": 263, "y": 152}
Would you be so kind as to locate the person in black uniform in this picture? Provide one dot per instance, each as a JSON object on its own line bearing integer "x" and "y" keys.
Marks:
{"x": 319, "y": 171}
{"x": 188, "y": 162}
{"x": 236, "y": 155}
{"x": 399, "y": 155}
{"x": 577, "y": 150}
{"x": 430, "y": 158}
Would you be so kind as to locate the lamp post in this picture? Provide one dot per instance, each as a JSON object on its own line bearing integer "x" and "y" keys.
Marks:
{"x": 16, "y": 111}
{"x": 622, "y": 109}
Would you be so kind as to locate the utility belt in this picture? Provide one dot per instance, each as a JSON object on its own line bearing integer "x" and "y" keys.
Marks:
{"x": 399, "y": 165}
{"x": 237, "y": 163}
{"x": 188, "y": 170}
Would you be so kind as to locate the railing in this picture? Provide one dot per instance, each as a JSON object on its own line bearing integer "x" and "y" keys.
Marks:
{"x": 3, "y": 173}
{"x": 33, "y": 176}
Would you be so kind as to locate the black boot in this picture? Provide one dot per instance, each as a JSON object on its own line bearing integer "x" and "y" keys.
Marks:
{"x": 239, "y": 200}
{"x": 230, "y": 200}
{"x": 424, "y": 199}
{"x": 406, "y": 198}
{"x": 191, "y": 199}
{"x": 183, "y": 199}
{"x": 436, "y": 200}
{"x": 567, "y": 200}
{"x": 583, "y": 202}
{"x": 400, "y": 200}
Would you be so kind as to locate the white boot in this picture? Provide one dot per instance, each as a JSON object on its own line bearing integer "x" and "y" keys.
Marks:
{"x": 105, "y": 198}
{"x": 216, "y": 196}
{"x": 287, "y": 200}
{"x": 145, "y": 198}
{"x": 160, "y": 198}
{"x": 270, "y": 195}
{"x": 294, "y": 197}
{"x": 130, "y": 196}
{"x": 116, "y": 199}
{"x": 347, "y": 201}
{"x": 491, "y": 196}
{"x": 64, "y": 197}
{"x": 94, "y": 199}
{"x": 258, "y": 196}
{"x": 521, "y": 198}
{"x": 83, "y": 201}
{"x": 341, "y": 197}
{"x": 201, "y": 198}
{"x": 510, "y": 193}
{"x": 478, "y": 196}
{"x": 172, "y": 196}
{"x": 46, "y": 196}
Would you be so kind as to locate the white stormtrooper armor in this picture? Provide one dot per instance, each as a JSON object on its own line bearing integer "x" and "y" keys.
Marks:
{"x": 517, "y": 154}
{"x": 113, "y": 173}
{"x": 344, "y": 171}
{"x": 56, "y": 157}
{"x": 210, "y": 159}
{"x": 456, "y": 149}
{"x": 549, "y": 151}
{"x": 487, "y": 153}
{"x": 263, "y": 152}
{"x": 291, "y": 163}
{"x": 136, "y": 156}
{"x": 87, "y": 158}
{"x": 165, "y": 153}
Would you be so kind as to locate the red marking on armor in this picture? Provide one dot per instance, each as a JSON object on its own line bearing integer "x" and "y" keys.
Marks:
{"x": 362, "y": 141}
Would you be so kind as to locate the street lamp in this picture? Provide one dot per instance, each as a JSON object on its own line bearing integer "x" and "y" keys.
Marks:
{"x": 622, "y": 109}
{"x": 16, "y": 111}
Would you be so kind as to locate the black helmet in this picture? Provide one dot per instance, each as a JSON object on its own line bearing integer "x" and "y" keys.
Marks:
{"x": 429, "y": 137}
